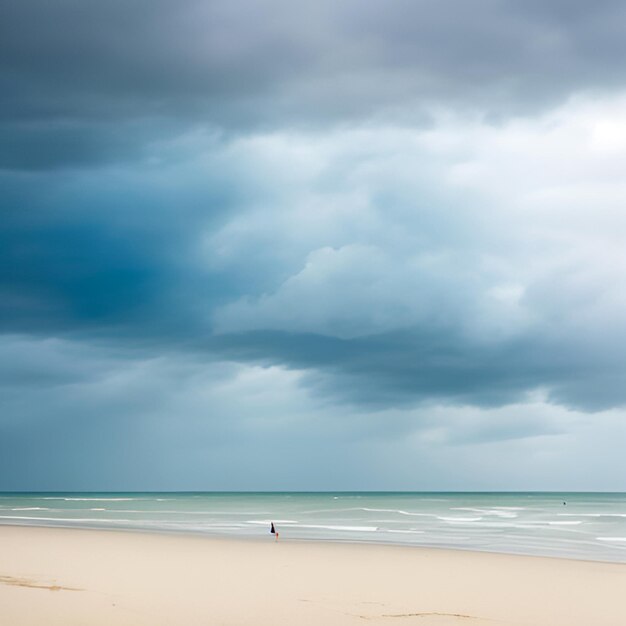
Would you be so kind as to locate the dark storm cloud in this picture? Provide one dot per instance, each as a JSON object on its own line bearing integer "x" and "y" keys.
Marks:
{"x": 67, "y": 68}
{"x": 426, "y": 366}
{"x": 52, "y": 144}
{"x": 107, "y": 251}
{"x": 68, "y": 274}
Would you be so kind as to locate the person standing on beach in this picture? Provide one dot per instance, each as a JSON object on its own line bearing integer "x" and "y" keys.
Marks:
{"x": 273, "y": 530}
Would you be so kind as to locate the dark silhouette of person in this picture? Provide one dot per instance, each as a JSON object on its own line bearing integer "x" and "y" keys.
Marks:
{"x": 273, "y": 530}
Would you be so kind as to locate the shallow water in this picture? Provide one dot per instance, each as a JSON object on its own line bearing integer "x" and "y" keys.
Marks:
{"x": 578, "y": 525}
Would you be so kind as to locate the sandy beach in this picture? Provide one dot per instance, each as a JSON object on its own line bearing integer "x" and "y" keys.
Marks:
{"x": 82, "y": 577}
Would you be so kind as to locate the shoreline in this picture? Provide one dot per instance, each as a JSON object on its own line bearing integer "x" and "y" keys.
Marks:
{"x": 77, "y": 576}
{"x": 592, "y": 527}
{"x": 313, "y": 541}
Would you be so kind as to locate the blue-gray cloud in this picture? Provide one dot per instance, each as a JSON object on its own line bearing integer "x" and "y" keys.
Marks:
{"x": 109, "y": 418}
{"x": 386, "y": 282}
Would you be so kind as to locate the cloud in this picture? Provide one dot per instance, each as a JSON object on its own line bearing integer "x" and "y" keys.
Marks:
{"x": 109, "y": 249}
{"x": 465, "y": 260}
{"x": 117, "y": 419}
{"x": 76, "y": 93}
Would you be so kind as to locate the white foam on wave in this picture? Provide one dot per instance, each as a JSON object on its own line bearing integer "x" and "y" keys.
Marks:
{"x": 67, "y": 519}
{"x": 611, "y": 538}
{"x": 99, "y": 499}
{"x": 511, "y": 508}
{"x": 89, "y": 499}
{"x": 483, "y": 523}
{"x": 398, "y": 511}
{"x": 591, "y": 514}
{"x": 460, "y": 519}
{"x": 142, "y": 523}
{"x": 506, "y": 512}
{"x": 266, "y": 522}
{"x": 30, "y": 508}
{"x": 371, "y": 510}
{"x": 207, "y": 513}
{"x": 345, "y": 528}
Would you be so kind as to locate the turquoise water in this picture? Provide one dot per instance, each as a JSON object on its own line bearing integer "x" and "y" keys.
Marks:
{"x": 578, "y": 525}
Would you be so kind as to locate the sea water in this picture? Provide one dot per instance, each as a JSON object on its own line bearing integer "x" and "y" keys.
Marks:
{"x": 576, "y": 525}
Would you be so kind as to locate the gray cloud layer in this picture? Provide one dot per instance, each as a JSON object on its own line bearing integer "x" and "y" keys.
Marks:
{"x": 96, "y": 82}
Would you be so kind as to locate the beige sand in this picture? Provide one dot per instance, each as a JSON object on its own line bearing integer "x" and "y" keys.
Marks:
{"x": 85, "y": 577}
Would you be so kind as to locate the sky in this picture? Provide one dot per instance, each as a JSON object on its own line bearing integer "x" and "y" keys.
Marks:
{"x": 289, "y": 245}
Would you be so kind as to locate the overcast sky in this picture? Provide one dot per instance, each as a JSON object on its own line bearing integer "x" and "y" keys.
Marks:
{"x": 295, "y": 245}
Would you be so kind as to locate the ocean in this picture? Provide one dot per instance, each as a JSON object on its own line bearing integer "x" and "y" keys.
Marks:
{"x": 575, "y": 525}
